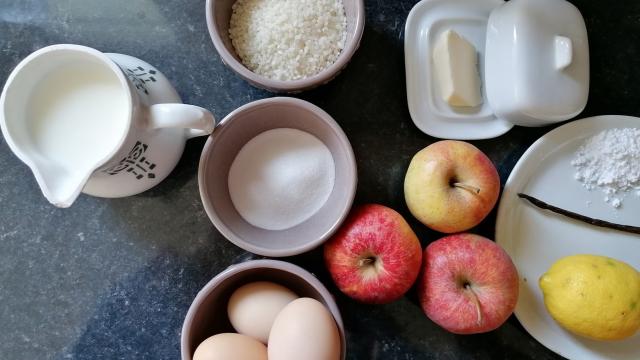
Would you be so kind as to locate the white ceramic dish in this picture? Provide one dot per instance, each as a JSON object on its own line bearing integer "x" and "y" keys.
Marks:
{"x": 535, "y": 239}
{"x": 426, "y": 21}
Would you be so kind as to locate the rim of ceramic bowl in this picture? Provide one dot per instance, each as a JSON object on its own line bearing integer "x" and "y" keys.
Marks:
{"x": 235, "y": 269}
{"x": 343, "y": 212}
{"x": 292, "y": 86}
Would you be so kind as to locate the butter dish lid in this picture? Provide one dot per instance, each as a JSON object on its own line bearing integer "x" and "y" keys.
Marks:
{"x": 536, "y": 62}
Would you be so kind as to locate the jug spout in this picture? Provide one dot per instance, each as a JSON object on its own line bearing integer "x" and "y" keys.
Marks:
{"x": 59, "y": 185}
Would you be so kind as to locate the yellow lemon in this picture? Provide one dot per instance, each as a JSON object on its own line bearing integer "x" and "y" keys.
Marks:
{"x": 593, "y": 296}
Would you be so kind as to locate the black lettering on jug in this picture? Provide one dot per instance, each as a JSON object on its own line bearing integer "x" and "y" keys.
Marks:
{"x": 140, "y": 77}
{"x": 135, "y": 163}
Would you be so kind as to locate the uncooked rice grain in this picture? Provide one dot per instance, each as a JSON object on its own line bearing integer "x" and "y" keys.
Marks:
{"x": 288, "y": 39}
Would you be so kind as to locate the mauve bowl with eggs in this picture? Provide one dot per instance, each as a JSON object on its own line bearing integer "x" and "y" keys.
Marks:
{"x": 229, "y": 137}
{"x": 218, "y": 18}
{"x": 207, "y": 315}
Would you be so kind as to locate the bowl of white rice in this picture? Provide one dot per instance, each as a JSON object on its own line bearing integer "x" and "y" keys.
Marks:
{"x": 286, "y": 46}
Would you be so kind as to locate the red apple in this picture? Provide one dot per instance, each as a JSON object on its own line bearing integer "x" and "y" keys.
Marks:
{"x": 469, "y": 284}
{"x": 374, "y": 257}
{"x": 451, "y": 186}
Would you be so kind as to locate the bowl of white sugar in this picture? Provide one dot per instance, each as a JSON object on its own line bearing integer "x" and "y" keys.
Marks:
{"x": 277, "y": 177}
{"x": 286, "y": 45}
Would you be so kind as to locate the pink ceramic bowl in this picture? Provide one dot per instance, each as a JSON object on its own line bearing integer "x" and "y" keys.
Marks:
{"x": 218, "y": 15}
{"x": 242, "y": 125}
{"x": 207, "y": 315}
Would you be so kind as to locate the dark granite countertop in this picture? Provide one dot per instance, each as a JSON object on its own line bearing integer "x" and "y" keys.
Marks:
{"x": 113, "y": 278}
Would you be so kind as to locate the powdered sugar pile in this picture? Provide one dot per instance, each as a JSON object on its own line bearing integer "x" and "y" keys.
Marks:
{"x": 610, "y": 161}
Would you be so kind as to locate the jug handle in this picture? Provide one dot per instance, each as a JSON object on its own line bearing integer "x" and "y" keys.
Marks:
{"x": 196, "y": 120}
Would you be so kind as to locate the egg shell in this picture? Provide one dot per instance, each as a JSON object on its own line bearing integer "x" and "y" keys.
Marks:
{"x": 304, "y": 329}
{"x": 253, "y": 307}
{"x": 230, "y": 346}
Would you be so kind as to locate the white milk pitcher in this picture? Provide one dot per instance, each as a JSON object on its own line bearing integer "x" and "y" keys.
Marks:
{"x": 108, "y": 125}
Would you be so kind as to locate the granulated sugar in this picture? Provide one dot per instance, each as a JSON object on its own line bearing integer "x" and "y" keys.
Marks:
{"x": 288, "y": 39}
{"x": 610, "y": 161}
{"x": 280, "y": 178}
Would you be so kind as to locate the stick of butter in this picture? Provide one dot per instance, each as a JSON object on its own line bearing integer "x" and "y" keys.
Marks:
{"x": 455, "y": 62}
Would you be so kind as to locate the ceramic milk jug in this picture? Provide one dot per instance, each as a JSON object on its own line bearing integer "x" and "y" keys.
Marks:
{"x": 108, "y": 125}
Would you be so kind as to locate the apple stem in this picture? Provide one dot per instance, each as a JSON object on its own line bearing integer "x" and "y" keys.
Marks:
{"x": 366, "y": 261}
{"x": 467, "y": 187}
{"x": 474, "y": 298}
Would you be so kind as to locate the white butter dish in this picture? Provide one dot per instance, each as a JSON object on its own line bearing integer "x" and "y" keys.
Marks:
{"x": 533, "y": 62}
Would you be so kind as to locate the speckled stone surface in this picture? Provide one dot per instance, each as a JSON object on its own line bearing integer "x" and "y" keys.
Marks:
{"x": 113, "y": 279}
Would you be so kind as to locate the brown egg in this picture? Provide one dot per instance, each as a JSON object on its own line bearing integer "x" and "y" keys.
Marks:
{"x": 230, "y": 346}
{"x": 253, "y": 307}
{"x": 304, "y": 329}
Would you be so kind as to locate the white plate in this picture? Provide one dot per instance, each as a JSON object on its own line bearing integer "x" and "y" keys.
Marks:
{"x": 427, "y": 20}
{"x": 535, "y": 239}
